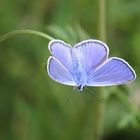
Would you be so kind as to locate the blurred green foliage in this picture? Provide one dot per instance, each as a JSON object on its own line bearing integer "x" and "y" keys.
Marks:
{"x": 32, "y": 106}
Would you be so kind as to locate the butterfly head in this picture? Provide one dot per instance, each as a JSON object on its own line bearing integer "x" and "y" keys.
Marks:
{"x": 81, "y": 87}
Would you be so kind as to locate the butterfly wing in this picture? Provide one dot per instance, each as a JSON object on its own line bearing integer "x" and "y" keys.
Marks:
{"x": 114, "y": 71}
{"x": 91, "y": 53}
{"x": 62, "y": 52}
{"x": 58, "y": 72}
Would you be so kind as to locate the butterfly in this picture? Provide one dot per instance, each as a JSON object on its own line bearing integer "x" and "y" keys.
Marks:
{"x": 86, "y": 64}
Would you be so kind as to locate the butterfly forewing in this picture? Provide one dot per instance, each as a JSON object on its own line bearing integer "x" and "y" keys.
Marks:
{"x": 91, "y": 54}
{"x": 62, "y": 52}
{"x": 59, "y": 73}
{"x": 114, "y": 71}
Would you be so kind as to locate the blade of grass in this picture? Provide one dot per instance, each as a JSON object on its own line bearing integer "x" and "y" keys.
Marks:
{"x": 26, "y": 31}
{"x": 99, "y": 112}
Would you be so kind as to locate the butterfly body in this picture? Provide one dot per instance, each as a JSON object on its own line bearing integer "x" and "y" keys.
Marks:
{"x": 79, "y": 73}
{"x": 87, "y": 64}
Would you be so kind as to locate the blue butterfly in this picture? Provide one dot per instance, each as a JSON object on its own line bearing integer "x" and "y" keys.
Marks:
{"x": 87, "y": 64}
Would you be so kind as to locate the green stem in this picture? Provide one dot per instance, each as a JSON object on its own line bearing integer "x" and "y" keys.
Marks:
{"x": 26, "y": 31}
{"x": 102, "y": 20}
{"x": 99, "y": 113}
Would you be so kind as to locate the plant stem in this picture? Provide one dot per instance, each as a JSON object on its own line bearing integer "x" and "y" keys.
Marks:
{"x": 26, "y": 31}
{"x": 99, "y": 113}
{"x": 102, "y": 20}
{"x": 99, "y": 110}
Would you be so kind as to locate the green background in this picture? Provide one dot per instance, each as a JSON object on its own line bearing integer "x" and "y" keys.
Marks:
{"x": 34, "y": 107}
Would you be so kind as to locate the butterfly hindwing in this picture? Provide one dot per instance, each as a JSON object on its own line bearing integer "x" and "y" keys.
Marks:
{"x": 114, "y": 71}
{"x": 91, "y": 53}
